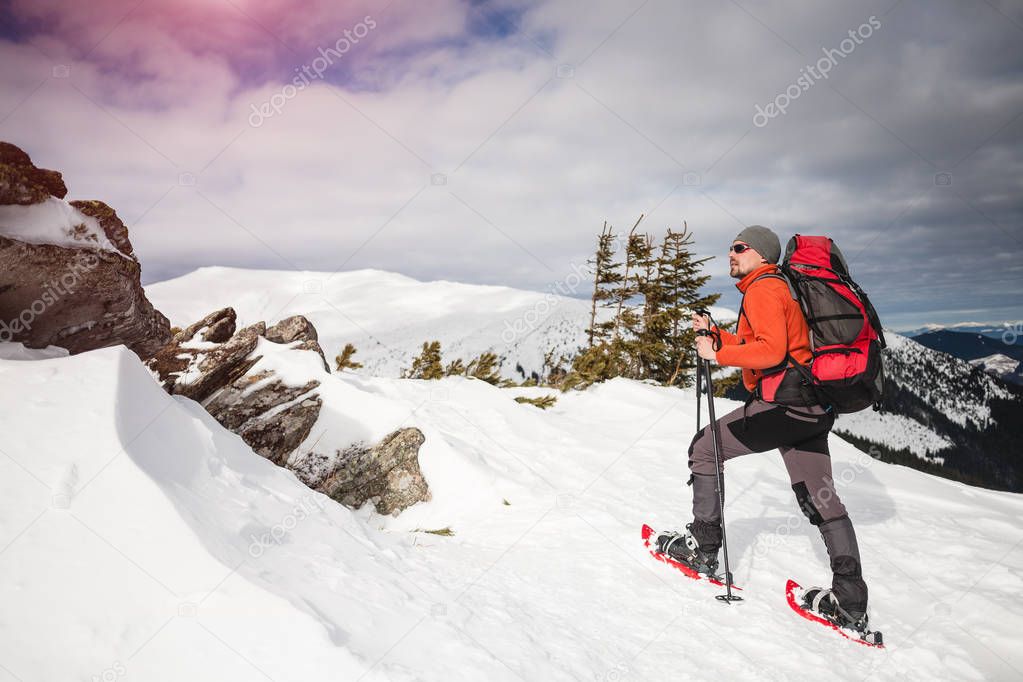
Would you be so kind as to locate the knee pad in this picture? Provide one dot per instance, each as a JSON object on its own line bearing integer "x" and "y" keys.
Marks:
{"x": 806, "y": 503}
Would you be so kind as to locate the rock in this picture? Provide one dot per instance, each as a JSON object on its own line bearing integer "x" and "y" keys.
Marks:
{"x": 22, "y": 183}
{"x": 388, "y": 474}
{"x": 217, "y": 327}
{"x": 78, "y": 296}
{"x": 245, "y": 412}
{"x": 78, "y": 299}
{"x": 197, "y": 369}
{"x": 112, "y": 226}
{"x": 297, "y": 328}
{"x": 211, "y": 363}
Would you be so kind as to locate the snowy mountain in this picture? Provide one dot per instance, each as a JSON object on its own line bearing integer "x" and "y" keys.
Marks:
{"x": 388, "y": 316}
{"x": 974, "y": 345}
{"x": 988, "y": 329}
{"x": 941, "y": 415}
{"x": 1002, "y": 366}
{"x": 139, "y": 540}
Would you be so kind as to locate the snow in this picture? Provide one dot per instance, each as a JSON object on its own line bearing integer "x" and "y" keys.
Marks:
{"x": 388, "y": 316}
{"x": 962, "y": 398}
{"x": 53, "y": 221}
{"x": 140, "y": 540}
{"x": 17, "y": 351}
{"x": 998, "y": 364}
{"x": 896, "y": 431}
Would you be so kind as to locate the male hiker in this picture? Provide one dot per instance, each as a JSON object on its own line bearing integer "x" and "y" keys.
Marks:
{"x": 783, "y": 413}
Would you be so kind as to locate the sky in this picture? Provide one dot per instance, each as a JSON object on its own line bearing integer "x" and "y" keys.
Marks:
{"x": 488, "y": 141}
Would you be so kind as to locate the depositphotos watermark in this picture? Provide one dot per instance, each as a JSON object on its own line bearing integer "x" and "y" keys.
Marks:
{"x": 315, "y": 69}
{"x": 52, "y": 292}
{"x": 530, "y": 320}
{"x": 1012, "y": 333}
{"x": 811, "y": 73}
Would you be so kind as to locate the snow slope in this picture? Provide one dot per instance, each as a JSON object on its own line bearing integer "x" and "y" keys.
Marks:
{"x": 388, "y": 316}
{"x": 896, "y": 431}
{"x": 141, "y": 541}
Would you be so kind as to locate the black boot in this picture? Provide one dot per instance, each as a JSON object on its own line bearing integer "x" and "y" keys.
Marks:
{"x": 847, "y": 583}
{"x": 688, "y": 549}
{"x": 823, "y": 602}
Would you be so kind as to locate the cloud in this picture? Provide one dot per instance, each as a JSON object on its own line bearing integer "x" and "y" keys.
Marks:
{"x": 488, "y": 141}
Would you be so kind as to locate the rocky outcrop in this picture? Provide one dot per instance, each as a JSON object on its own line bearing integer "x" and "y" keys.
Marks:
{"x": 22, "y": 183}
{"x": 297, "y": 328}
{"x": 232, "y": 373}
{"x": 112, "y": 227}
{"x": 196, "y": 365}
{"x": 68, "y": 274}
{"x": 387, "y": 474}
{"x": 212, "y": 363}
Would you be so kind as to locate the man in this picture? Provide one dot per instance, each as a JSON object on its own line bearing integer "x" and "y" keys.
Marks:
{"x": 783, "y": 413}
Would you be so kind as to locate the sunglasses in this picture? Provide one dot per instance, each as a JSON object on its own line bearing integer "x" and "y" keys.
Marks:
{"x": 739, "y": 248}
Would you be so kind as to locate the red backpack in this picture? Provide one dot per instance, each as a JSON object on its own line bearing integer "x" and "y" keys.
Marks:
{"x": 845, "y": 332}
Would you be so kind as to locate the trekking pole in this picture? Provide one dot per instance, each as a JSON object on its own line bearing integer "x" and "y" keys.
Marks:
{"x": 703, "y": 312}
{"x": 715, "y": 432}
{"x": 699, "y": 389}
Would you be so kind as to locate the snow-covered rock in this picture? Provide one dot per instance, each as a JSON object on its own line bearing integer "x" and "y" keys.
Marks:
{"x": 268, "y": 386}
{"x": 68, "y": 274}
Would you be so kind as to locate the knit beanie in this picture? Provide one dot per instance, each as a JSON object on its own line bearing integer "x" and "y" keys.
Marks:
{"x": 763, "y": 240}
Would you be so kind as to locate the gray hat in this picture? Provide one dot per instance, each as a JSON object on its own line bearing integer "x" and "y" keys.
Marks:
{"x": 763, "y": 240}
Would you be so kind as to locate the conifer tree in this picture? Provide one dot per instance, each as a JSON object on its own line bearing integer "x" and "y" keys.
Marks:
{"x": 680, "y": 284}
{"x": 484, "y": 367}
{"x": 626, "y": 288}
{"x": 427, "y": 365}
{"x": 606, "y": 277}
{"x": 344, "y": 359}
{"x": 652, "y": 294}
{"x": 454, "y": 368}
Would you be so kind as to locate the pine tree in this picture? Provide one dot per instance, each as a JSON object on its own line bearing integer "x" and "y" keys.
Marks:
{"x": 652, "y": 294}
{"x": 344, "y": 359}
{"x": 626, "y": 289}
{"x": 648, "y": 343}
{"x": 484, "y": 367}
{"x": 606, "y": 277}
{"x": 681, "y": 281}
{"x": 454, "y": 368}
{"x": 426, "y": 365}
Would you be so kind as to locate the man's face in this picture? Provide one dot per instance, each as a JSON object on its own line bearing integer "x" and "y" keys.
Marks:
{"x": 741, "y": 264}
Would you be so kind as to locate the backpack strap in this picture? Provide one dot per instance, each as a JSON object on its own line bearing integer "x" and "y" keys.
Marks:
{"x": 771, "y": 275}
{"x": 788, "y": 361}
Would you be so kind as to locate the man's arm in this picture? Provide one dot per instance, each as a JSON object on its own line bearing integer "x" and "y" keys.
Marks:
{"x": 766, "y": 314}
{"x": 727, "y": 338}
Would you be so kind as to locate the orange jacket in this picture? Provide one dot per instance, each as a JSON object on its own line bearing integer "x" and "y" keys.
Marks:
{"x": 772, "y": 324}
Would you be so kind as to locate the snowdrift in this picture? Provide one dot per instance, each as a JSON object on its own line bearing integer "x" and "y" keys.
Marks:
{"x": 140, "y": 540}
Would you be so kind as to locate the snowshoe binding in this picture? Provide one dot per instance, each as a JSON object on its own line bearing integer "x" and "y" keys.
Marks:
{"x": 823, "y": 603}
{"x": 685, "y": 549}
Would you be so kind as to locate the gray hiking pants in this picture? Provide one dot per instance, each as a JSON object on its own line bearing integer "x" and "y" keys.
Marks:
{"x": 801, "y": 435}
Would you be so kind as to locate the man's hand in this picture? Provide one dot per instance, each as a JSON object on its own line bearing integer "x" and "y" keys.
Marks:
{"x": 700, "y": 321}
{"x": 705, "y": 348}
